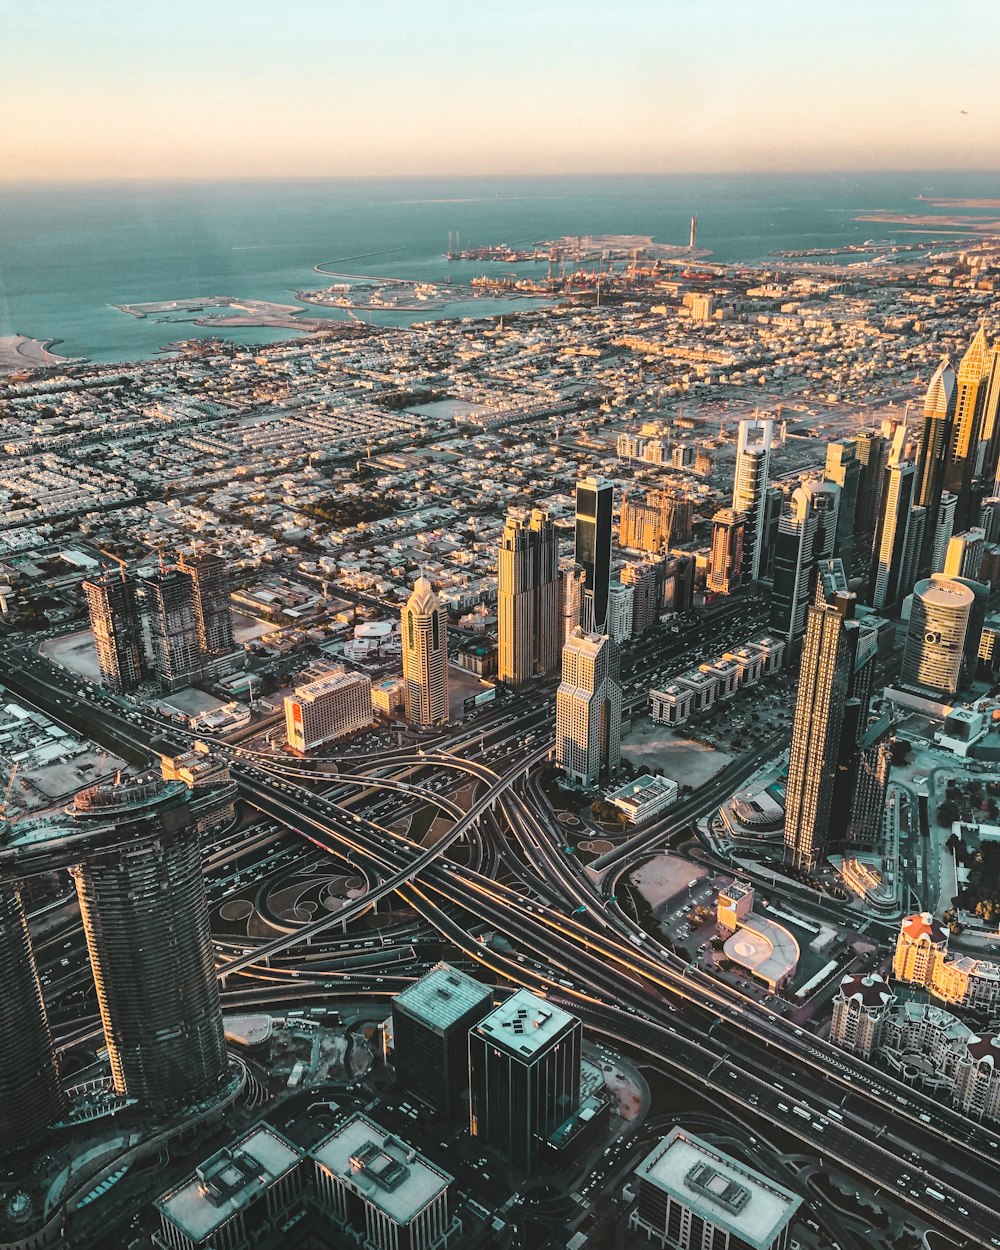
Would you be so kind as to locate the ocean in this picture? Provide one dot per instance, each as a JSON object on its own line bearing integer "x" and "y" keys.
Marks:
{"x": 69, "y": 253}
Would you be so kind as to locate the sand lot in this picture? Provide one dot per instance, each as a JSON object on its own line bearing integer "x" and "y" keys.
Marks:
{"x": 687, "y": 763}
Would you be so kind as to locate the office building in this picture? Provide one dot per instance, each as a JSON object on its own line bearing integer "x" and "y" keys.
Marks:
{"x": 753, "y": 459}
{"x": 431, "y": 1020}
{"x": 989, "y": 514}
{"x": 327, "y": 708}
{"x": 694, "y": 1196}
{"x": 589, "y": 710}
{"x": 964, "y": 453}
{"x": 939, "y": 417}
{"x": 209, "y": 574}
{"x": 859, "y": 1012}
{"x": 645, "y": 797}
{"x": 895, "y": 552}
{"x": 794, "y": 566}
{"x": 774, "y": 501}
{"x": 594, "y": 509}
{"x": 116, "y": 622}
{"x": 843, "y": 469}
{"x": 646, "y": 581}
{"x": 173, "y": 628}
{"x": 527, "y": 598}
{"x": 239, "y": 1198}
{"x": 31, "y": 1097}
{"x": 938, "y": 654}
{"x": 943, "y": 531}
{"x": 425, "y": 656}
{"x": 380, "y": 1192}
{"x": 726, "y": 562}
{"x": 652, "y": 520}
{"x": 964, "y": 554}
{"x": 620, "y": 604}
{"x": 142, "y": 902}
{"x": 524, "y": 1077}
{"x": 831, "y": 713}
{"x": 871, "y": 451}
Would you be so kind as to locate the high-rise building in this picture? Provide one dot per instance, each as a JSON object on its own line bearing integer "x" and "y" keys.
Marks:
{"x": 571, "y": 579}
{"x": 753, "y": 459}
{"x": 964, "y": 453}
{"x": 774, "y": 501}
{"x": 173, "y": 628}
{"x": 142, "y": 901}
{"x": 726, "y": 564}
{"x": 964, "y": 554}
{"x": 620, "y": 605}
{"x": 859, "y": 1011}
{"x": 117, "y": 624}
{"x": 794, "y": 566}
{"x": 843, "y": 469}
{"x": 871, "y": 451}
{"x": 594, "y": 518}
{"x": 939, "y": 417}
{"x": 589, "y": 710}
{"x": 653, "y": 520}
{"x": 209, "y": 574}
{"x": 943, "y": 531}
{"x": 894, "y": 547}
{"x": 527, "y": 598}
{"x": 327, "y": 708}
{"x": 694, "y": 1196}
{"x": 831, "y": 711}
{"x": 31, "y": 1097}
{"x": 921, "y": 945}
{"x": 425, "y": 656}
{"x": 937, "y": 650}
{"x": 431, "y": 1020}
{"x": 524, "y": 1077}
{"x": 646, "y": 581}
{"x": 989, "y": 514}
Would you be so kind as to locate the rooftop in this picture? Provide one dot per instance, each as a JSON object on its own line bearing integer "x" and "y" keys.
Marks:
{"x": 387, "y": 1172}
{"x": 731, "y": 1195}
{"x": 648, "y": 786}
{"x": 443, "y": 996}
{"x": 525, "y": 1024}
{"x": 766, "y": 948}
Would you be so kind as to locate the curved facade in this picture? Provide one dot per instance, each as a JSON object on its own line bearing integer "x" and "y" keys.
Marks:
{"x": 142, "y": 900}
{"x": 935, "y": 639}
{"x": 425, "y": 656}
{"x": 30, "y": 1094}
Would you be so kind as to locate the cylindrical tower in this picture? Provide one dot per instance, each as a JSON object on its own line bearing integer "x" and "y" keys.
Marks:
{"x": 935, "y": 638}
{"x": 142, "y": 899}
{"x": 30, "y": 1094}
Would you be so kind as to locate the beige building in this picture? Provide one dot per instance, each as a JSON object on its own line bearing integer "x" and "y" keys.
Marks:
{"x": 425, "y": 656}
{"x": 922, "y": 958}
{"x": 859, "y": 1012}
{"x": 328, "y": 708}
{"x": 527, "y": 598}
{"x": 589, "y": 710}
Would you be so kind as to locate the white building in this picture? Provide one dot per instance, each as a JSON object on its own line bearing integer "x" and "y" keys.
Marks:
{"x": 753, "y": 459}
{"x": 644, "y": 798}
{"x": 671, "y": 706}
{"x": 859, "y": 1011}
{"x": 620, "y": 603}
{"x": 328, "y": 708}
{"x": 425, "y": 656}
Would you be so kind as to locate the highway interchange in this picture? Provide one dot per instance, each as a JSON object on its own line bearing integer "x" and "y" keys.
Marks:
{"x": 567, "y": 935}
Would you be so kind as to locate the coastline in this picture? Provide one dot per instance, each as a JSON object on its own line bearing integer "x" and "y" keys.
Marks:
{"x": 19, "y": 352}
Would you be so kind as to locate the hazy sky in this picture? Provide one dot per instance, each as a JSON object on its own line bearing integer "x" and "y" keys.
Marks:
{"x": 97, "y": 88}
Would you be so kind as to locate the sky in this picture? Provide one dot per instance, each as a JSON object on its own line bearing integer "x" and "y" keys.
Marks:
{"x": 255, "y": 88}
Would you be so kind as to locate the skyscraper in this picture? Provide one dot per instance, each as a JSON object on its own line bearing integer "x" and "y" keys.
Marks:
{"x": 831, "y": 709}
{"x": 621, "y": 599}
{"x": 173, "y": 628}
{"x": 939, "y": 417}
{"x": 943, "y": 531}
{"x": 524, "y": 1077}
{"x": 753, "y": 459}
{"x": 726, "y": 563}
{"x": 964, "y": 554}
{"x": 117, "y": 625}
{"x": 651, "y": 521}
{"x": 893, "y": 540}
{"x": 209, "y": 574}
{"x": 871, "y": 453}
{"x": 935, "y": 657}
{"x": 843, "y": 469}
{"x": 571, "y": 578}
{"x": 647, "y": 582}
{"x": 528, "y": 598}
{"x": 794, "y": 564}
{"x": 142, "y": 901}
{"x": 30, "y": 1094}
{"x": 594, "y": 514}
{"x": 425, "y": 656}
{"x": 964, "y": 456}
{"x": 589, "y": 710}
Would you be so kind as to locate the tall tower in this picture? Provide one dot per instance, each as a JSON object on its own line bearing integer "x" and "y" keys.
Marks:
{"x": 142, "y": 901}
{"x": 871, "y": 450}
{"x": 589, "y": 710}
{"x": 30, "y": 1095}
{"x": 571, "y": 578}
{"x": 117, "y": 625}
{"x": 594, "y": 512}
{"x": 936, "y": 654}
{"x": 794, "y": 564}
{"x": 843, "y": 469}
{"x": 943, "y": 531}
{"x": 425, "y": 656}
{"x": 753, "y": 462}
{"x": 892, "y": 537}
{"x": 693, "y": 238}
{"x": 970, "y": 403}
{"x": 528, "y": 598}
{"x": 726, "y": 564}
{"x": 209, "y": 574}
{"x": 173, "y": 628}
{"x": 939, "y": 417}
{"x": 827, "y": 680}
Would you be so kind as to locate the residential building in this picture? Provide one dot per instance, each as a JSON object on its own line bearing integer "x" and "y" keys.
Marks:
{"x": 116, "y": 621}
{"x": 527, "y": 598}
{"x": 964, "y": 554}
{"x": 589, "y": 710}
{"x": 652, "y": 520}
{"x": 646, "y": 581}
{"x": 921, "y": 944}
{"x": 524, "y": 1077}
{"x": 726, "y": 563}
{"x": 621, "y": 598}
{"x": 173, "y": 628}
{"x": 571, "y": 584}
{"x": 327, "y": 708}
{"x": 694, "y": 1196}
{"x": 859, "y": 1012}
{"x": 209, "y": 574}
{"x": 425, "y": 656}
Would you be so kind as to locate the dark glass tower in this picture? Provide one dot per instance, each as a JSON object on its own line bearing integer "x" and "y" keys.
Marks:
{"x": 594, "y": 510}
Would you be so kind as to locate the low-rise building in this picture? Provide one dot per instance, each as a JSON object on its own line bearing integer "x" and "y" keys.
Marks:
{"x": 644, "y": 798}
{"x": 671, "y": 706}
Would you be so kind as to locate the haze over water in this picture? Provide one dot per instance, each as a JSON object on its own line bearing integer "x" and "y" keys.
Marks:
{"x": 68, "y": 254}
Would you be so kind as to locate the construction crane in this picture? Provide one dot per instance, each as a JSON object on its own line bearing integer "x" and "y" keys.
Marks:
{"x": 10, "y": 786}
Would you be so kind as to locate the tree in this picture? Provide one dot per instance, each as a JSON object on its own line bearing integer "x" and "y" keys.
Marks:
{"x": 900, "y": 752}
{"x": 947, "y": 813}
